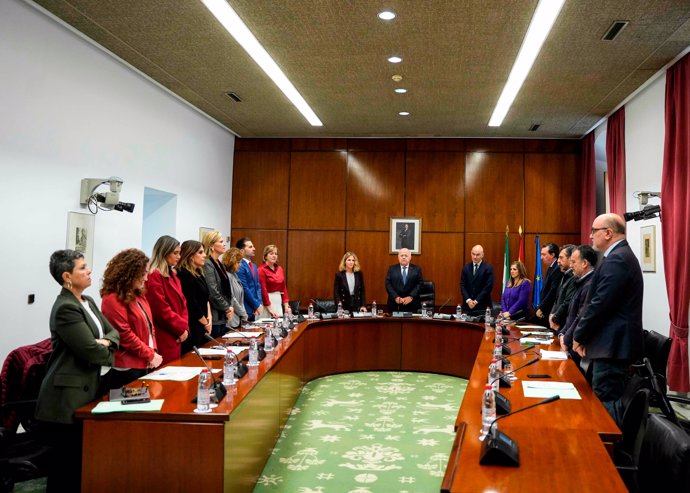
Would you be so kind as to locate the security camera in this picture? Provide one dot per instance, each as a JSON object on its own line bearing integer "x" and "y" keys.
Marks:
{"x": 103, "y": 201}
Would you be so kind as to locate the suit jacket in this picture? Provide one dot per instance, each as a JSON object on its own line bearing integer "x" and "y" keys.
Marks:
{"x": 396, "y": 288}
{"x": 219, "y": 290}
{"x": 251, "y": 287}
{"x": 196, "y": 292}
{"x": 132, "y": 325}
{"x": 549, "y": 289}
{"x": 575, "y": 308}
{"x": 611, "y": 325}
{"x": 477, "y": 287}
{"x": 341, "y": 292}
{"x": 74, "y": 367}
{"x": 565, "y": 293}
{"x": 169, "y": 310}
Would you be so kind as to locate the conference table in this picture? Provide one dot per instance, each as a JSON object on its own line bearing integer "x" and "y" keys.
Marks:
{"x": 563, "y": 445}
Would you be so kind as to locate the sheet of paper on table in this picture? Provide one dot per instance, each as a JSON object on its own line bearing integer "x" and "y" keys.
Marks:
{"x": 542, "y": 390}
{"x": 175, "y": 373}
{"x": 239, "y": 335}
{"x": 536, "y": 340}
{"x": 118, "y": 407}
{"x": 557, "y": 355}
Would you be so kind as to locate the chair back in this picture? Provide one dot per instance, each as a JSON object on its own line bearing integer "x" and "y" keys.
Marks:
{"x": 657, "y": 348}
{"x": 665, "y": 457}
{"x": 427, "y": 293}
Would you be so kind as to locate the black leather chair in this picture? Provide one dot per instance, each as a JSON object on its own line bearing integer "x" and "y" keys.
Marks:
{"x": 294, "y": 306}
{"x": 322, "y": 305}
{"x": 633, "y": 424}
{"x": 657, "y": 348}
{"x": 664, "y": 458}
{"x": 428, "y": 293}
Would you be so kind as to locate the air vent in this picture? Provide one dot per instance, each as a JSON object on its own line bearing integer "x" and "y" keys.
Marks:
{"x": 614, "y": 30}
{"x": 534, "y": 127}
{"x": 233, "y": 96}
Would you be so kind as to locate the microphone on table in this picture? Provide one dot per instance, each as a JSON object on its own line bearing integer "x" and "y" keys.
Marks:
{"x": 241, "y": 366}
{"x": 440, "y": 316}
{"x": 498, "y": 449}
{"x": 217, "y": 386}
{"x": 505, "y": 360}
{"x": 262, "y": 353}
{"x": 502, "y": 402}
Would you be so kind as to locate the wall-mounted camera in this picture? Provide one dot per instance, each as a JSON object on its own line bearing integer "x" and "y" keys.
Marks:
{"x": 107, "y": 201}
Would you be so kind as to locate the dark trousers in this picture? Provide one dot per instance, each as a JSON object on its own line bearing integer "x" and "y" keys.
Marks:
{"x": 217, "y": 330}
{"x": 609, "y": 377}
{"x": 64, "y": 470}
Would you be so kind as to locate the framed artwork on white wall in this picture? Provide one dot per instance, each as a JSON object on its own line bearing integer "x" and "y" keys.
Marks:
{"x": 80, "y": 234}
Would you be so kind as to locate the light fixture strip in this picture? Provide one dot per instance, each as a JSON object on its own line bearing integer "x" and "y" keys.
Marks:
{"x": 238, "y": 30}
{"x": 539, "y": 28}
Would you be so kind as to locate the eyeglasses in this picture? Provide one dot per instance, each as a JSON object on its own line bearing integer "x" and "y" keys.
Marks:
{"x": 594, "y": 230}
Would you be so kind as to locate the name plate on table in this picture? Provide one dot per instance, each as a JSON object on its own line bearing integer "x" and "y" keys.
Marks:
{"x": 402, "y": 314}
{"x": 362, "y": 314}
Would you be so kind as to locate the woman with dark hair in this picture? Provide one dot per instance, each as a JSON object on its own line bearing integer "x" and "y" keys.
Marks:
{"x": 515, "y": 300}
{"x": 348, "y": 286}
{"x": 273, "y": 289}
{"x": 195, "y": 289}
{"x": 220, "y": 292}
{"x": 84, "y": 344}
{"x": 167, "y": 301}
{"x": 232, "y": 259}
{"x": 124, "y": 305}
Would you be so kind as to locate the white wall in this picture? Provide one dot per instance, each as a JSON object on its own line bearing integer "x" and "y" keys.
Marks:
{"x": 644, "y": 152}
{"x": 70, "y": 111}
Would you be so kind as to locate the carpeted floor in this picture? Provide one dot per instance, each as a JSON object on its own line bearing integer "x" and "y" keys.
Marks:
{"x": 365, "y": 433}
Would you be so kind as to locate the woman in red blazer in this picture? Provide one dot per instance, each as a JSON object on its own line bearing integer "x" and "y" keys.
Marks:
{"x": 125, "y": 307}
{"x": 164, "y": 294}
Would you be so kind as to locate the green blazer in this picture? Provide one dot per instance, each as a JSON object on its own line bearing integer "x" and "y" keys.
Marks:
{"x": 74, "y": 366}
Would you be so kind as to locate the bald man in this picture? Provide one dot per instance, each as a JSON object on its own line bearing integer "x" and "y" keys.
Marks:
{"x": 476, "y": 283}
{"x": 609, "y": 333}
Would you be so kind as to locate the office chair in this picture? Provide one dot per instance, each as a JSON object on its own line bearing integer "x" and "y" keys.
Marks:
{"x": 664, "y": 458}
{"x": 657, "y": 348}
{"x": 633, "y": 424}
{"x": 323, "y": 305}
{"x": 427, "y": 293}
{"x": 294, "y": 306}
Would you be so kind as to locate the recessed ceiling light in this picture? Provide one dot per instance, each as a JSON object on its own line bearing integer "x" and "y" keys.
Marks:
{"x": 395, "y": 59}
{"x": 397, "y": 77}
{"x": 404, "y": 113}
{"x": 544, "y": 17}
{"x": 239, "y": 30}
{"x": 386, "y": 15}
{"x": 400, "y": 90}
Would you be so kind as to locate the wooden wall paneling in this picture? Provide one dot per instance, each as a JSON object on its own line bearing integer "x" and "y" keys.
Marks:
{"x": 313, "y": 258}
{"x": 494, "y": 193}
{"x": 553, "y": 146}
{"x": 262, "y": 145}
{"x": 317, "y": 190}
{"x": 435, "y": 145}
{"x": 375, "y": 189}
{"x": 326, "y": 144}
{"x": 531, "y": 251}
{"x": 441, "y": 261}
{"x": 553, "y": 201}
{"x": 260, "y": 190}
{"x": 376, "y": 144}
{"x": 262, "y": 237}
{"x": 494, "y": 247}
{"x": 371, "y": 248}
{"x": 495, "y": 145}
{"x": 435, "y": 189}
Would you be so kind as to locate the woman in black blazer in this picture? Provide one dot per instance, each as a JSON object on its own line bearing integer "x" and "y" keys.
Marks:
{"x": 195, "y": 289}
{"x": 348, "y": 286}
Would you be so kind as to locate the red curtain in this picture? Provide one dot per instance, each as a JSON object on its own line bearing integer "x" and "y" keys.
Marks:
{"x": 675, "y": 210}
{"x": 615, "y": 160}
{"x": 588, "y": 188}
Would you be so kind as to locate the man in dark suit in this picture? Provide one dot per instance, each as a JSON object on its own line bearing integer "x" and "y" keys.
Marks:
{"x": 609, "y": 333}
{"x": 403, "y": 284}
{"x": 549, "y": 289}
{"x": 476, "y": 283}
{"x": 559, "y": 312}
{"x": 248, "y": 273}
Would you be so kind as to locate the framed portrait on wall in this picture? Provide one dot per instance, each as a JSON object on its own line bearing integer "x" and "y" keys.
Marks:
{"x": 648, "y": 248}
{"x": 406, "y": 232}
{"x": 80, "y": 231}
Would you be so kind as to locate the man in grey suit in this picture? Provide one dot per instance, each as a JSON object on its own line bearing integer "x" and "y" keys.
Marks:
{"x": 403, "y": 283}
{"x": 609, "y": 333}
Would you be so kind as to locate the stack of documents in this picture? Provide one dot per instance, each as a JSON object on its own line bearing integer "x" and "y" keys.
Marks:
{"x": 175, "y": 373}
{"x": 239, "y": 335}
{"x": 543, "y": 390}
{"x": 557, "y": 355}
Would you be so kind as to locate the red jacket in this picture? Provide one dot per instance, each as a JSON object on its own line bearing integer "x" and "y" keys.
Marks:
{"x": 169, "y": 309}
{"x": 131, "y": 323}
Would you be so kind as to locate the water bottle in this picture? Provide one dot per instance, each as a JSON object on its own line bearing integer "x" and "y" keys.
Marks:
{"x": 277, "y": 330}
{"x": 424, "y": 313}
{"x": 340, "y": 310}
{"x": 498, "y": 339}
{"x": 487, "y": 320}
{"x": 253, "y": 352}
{"x": 286, "y": 321}
{"x": 310, "y": 311}
{"x": 494, "y": 374}
{"x": 458, "y": 312}
{"x": 498, "y": 355}
{"x": 203, "y": 395}
{"x": 268, "y": 341}
{"x": 488, "y": 411}
{"x": 374, "y": 313}
{"x": 229, "y": 368}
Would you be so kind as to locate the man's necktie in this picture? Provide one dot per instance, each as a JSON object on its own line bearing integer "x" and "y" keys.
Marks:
{"x": 475, "y": 270}
{"x": 404, "y": 275}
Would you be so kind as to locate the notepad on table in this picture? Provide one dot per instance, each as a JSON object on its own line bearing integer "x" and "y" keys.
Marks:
{"x": 543, "y": 390}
